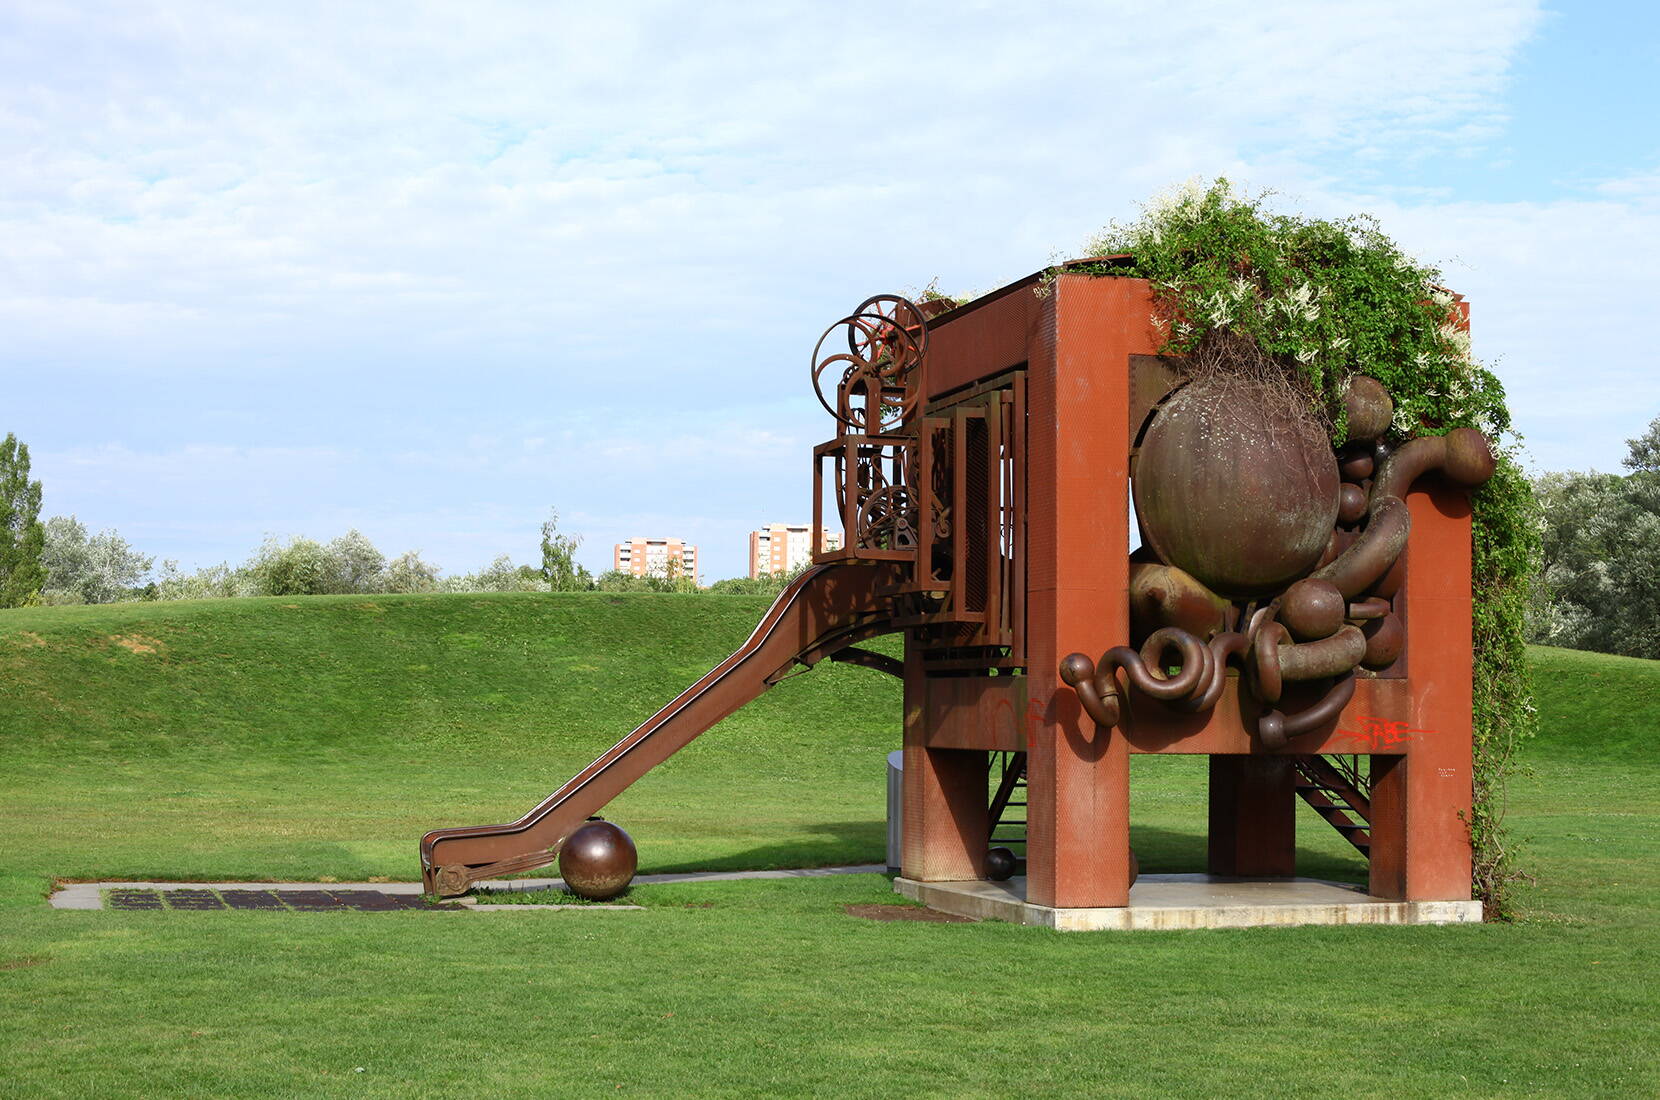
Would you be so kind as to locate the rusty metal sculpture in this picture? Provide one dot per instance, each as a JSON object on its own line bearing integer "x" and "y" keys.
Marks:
{"x": 1291, "y": 602}
{"x": 1252, "y": 520}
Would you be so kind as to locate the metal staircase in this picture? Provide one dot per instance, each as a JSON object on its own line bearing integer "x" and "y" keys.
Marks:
{"x": 1337, "y": 790}
{"x": 1009, "y": 830}
{"x": 1335, "y": 786}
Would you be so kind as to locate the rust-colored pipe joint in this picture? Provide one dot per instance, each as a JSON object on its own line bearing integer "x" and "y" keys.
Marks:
{"x": 1078, "y": 673}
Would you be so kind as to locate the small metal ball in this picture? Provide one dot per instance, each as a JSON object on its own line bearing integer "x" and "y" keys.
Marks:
{"x": 1385, "y": 639}
{"x": 1351, "y": 503}
{"x": 1370, "y": 408}
{"x": 1000, "y": 864}
{"x": 1312, "y": 609}
{"x": 598, "y": 861}
{"x": 1271, "y": 729}
{"x": 1076, "y": 668}
{"x": 1355, "y": 462}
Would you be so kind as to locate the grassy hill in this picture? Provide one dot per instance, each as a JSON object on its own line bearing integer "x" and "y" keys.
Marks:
{"x": 323, "y": 735}
{"x": 319, "y": 737}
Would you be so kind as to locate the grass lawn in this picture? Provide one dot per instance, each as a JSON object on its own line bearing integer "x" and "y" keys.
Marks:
{"x": 318, "y": 738}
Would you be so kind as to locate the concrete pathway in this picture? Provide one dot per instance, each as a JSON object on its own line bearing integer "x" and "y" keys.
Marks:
{"x": 89, "y": 895}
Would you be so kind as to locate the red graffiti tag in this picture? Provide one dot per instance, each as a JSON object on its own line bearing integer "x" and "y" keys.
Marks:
{"x": 1375, "y": 734}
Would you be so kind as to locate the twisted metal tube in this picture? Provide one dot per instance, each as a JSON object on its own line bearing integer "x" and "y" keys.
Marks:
{"x": 1196, "y": 686}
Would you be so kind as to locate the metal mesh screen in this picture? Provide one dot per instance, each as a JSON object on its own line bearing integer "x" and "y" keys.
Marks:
{"x": 976, "y": 523}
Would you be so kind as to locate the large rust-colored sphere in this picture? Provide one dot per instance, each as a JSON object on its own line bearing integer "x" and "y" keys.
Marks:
{"x": 1237, "y": 485}
{"x": 598, "y": 861}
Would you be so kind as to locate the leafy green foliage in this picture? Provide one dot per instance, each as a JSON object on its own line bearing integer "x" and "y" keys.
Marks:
{"x": 22, "y": 538}
{"x": 1504, "y": 537}
{"x": 1329, "y": 300}
{"x": 1601, "y": 566}
{"x": 1332, "y": 299}
{"x": 82, "y": 568}
{"x": 298, "y": 568}
{"x": 1644, "y": 456}
{"x": 409, "y": 572}
{"x": 559, "y": 565}
{"x": 767, "y": 584}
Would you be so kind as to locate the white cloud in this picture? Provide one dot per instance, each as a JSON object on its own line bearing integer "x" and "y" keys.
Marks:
{"x": 365, "y": 236}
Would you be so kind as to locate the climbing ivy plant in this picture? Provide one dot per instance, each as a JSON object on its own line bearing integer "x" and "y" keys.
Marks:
{"x": 1328, "y": 300}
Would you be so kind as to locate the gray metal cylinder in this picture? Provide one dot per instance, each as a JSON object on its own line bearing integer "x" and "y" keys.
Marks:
{"x": 896, "y": 809}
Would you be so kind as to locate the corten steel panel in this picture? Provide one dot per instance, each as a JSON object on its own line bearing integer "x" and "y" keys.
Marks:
{"x": 975, "y": 712}
{"x": 1152, "y": 727}
{"x": 985, "y": 338}
{"x": 1420, "y": 802}
{"x": 946, "y": 819}
{"x": 1078, "y": 541}
{"x": 1253, "y": 815}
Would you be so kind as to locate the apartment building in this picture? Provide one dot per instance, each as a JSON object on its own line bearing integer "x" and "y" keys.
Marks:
{"x": 784, "y": 547}
{"x": 656, "y": 558}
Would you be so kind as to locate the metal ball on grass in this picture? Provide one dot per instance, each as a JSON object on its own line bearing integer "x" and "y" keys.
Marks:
{"x": 598, "y": 861}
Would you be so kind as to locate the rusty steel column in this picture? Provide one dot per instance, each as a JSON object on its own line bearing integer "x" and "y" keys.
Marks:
{"x": 1420, "y": 800}
{"x": 946, "y": 819}
{"x": 1078, "y": 581}
{"x": 1253, "y": 816}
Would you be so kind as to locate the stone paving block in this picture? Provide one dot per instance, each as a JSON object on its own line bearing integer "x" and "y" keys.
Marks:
{"x": 192, "y": 899}
{"x": 133, "y": 899}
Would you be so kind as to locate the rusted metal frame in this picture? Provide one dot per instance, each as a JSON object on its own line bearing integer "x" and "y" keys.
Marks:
{"x": 1014, "y": 767}
{"x": 945, "y": 617}
{"x": 934, "y": 426}
{"x": 969, "y": 664}
{"x": 1349, "y": 767}
{"x": 1002, "y": 380}
{"x": 924, "y": 490}
{"x": 850, "y": 494}
{"x": 853, "y": 448}
{"x": 987, "y": 401}
{"x": 959, "y": 509}
{"x": 829, "y": 450}
{"x": 819, "y": 552}
{"x": 1340, "y": 803}
{"x": 907, "y": 587}
{"x": 1005, "y": 515}
{"x": 866, "y": 658}
{"x": 887, "y": 555}
{"x": 994, "y": 517}
{"x": 1017, "y": 567}
{"x": 873, "y": 627}
{"x": 1323, "y": 773}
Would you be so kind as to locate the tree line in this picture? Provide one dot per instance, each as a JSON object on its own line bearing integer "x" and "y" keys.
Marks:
{"x": 59, "y": 561}
{"x": 1599, "y": 577}
{"x": 1598, "y": 587}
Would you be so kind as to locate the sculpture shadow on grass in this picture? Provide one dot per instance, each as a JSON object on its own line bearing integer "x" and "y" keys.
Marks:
{"x": 1181, "y": 851}
{"x": 832, "y": 843}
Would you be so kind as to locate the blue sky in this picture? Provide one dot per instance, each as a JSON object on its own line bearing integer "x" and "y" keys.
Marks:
{"x": 429, "y": 270}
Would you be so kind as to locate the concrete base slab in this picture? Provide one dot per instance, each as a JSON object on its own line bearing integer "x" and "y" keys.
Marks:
{"x": 1191, "y": 901}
